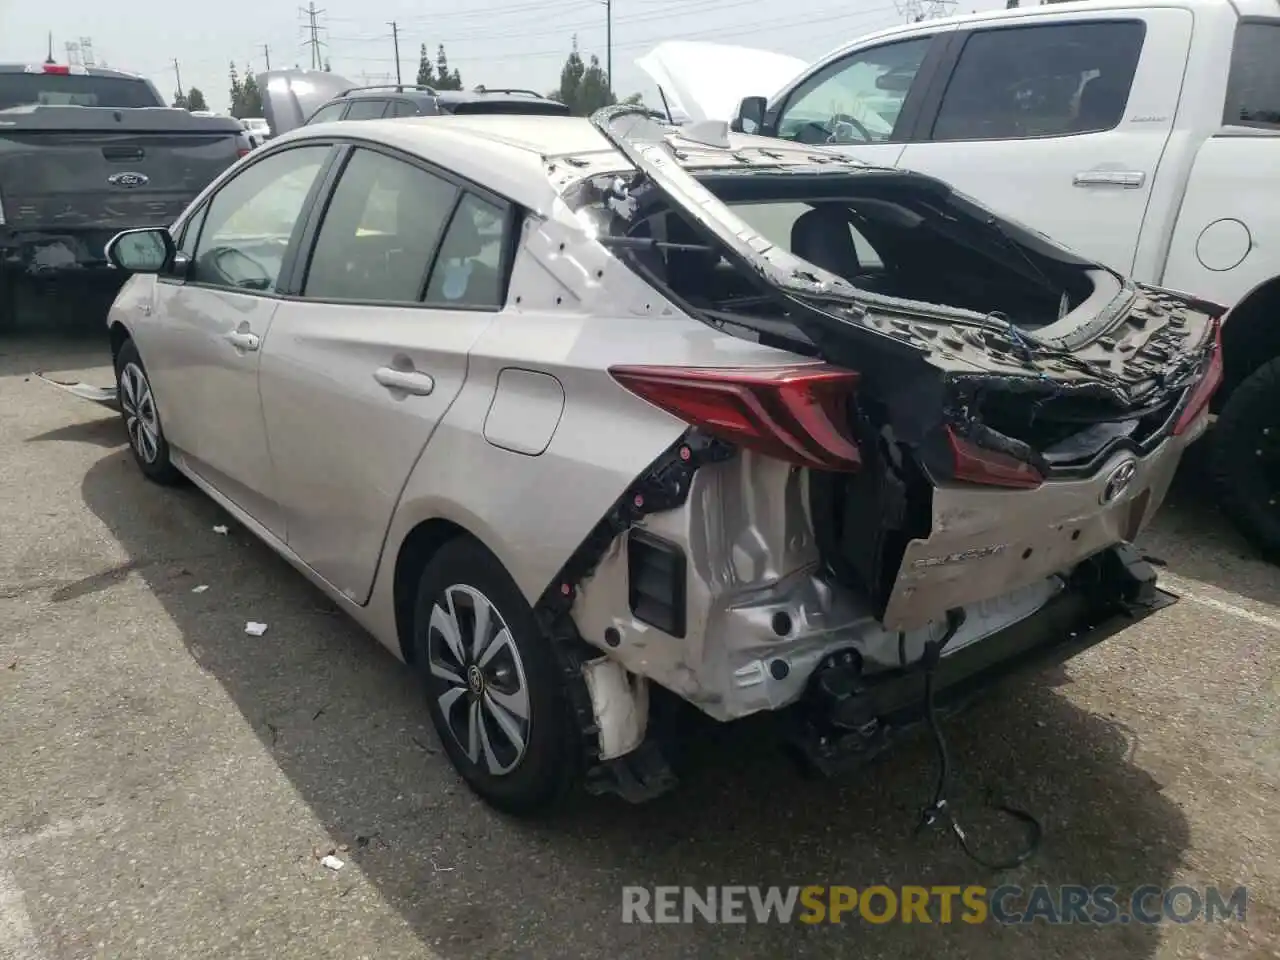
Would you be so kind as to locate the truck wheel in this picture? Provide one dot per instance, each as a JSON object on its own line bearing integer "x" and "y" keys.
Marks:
{"x": 1245, "y": 458}
{"x": 493, "y": 684}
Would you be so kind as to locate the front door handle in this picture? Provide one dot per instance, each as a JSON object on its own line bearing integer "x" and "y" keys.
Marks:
{"x": 243, "y": 340}
{"x": 1129, "y": 179}
{"x": 410, "y": 381}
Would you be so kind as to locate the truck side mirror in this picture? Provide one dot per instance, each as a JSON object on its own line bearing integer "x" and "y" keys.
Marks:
{"x": 750, "y": 117}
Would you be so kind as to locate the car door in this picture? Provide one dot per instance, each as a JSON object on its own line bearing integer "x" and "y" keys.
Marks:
{"x": 212, "y": 320}
{"x": 1061, "y": 123}
{"x": 863, "y": 103}
{"x": 405, "y": 273}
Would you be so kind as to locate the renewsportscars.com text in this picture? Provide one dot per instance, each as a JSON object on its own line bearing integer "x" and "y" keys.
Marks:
{"x": 1062, "y": 904}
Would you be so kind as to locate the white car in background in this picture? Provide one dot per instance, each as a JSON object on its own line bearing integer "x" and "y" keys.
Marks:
{"x": 1144, "y": 135}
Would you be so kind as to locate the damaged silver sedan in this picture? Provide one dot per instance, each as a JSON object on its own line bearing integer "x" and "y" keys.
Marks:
{"x": 577, "y": 414}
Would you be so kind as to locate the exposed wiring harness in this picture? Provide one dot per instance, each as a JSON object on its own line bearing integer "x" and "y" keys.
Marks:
{"x": 938, "y": 811}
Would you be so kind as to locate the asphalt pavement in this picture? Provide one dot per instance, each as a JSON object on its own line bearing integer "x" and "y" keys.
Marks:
{"x": 169, "y": 784}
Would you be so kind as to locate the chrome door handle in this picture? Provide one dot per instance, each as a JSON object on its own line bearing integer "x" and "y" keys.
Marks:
{"x": 1129, "y": 179}
{"x": 410, "y": 381}
{"x": 243, "y": 341}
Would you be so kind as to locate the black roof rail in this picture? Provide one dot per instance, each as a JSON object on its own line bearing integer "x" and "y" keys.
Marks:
{"x": 397, "y": 87}
{"x": 481, "y": 88}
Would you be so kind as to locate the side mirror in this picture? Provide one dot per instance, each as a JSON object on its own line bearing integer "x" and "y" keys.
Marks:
{"x": 145, "y": 250}
{"x": 750, "y": 117}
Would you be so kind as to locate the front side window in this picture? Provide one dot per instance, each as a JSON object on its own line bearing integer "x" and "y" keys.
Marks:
{"x": 469, "y": 270}
{"x": 1253, "y": 88}
{"x": 379, "y": 232}
{"x": 855, "y": 100}
{"x": 252, "y": 218}
{"x": 1018, "y": 83}
{"x": 367, "y": 109}
{"x": 332, "y": 111}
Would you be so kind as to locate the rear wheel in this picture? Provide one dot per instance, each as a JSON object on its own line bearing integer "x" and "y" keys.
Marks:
{"x": 492, "y": 682}
{"x": 1245, "y": 458}
{"x": 142, "y": 417}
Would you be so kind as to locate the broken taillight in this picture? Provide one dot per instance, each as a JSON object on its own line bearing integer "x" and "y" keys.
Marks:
{"x": 990, "y": 468}
{"x": 1203, "y": 391}
{"x": 798, "y": 413}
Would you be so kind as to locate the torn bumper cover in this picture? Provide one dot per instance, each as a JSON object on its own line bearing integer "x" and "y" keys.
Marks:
{"x": 849, "y": 715}
{"x": 107, "y": 396}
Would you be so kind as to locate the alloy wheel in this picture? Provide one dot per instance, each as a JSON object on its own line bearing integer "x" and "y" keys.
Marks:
{"x": 140, "y": 417}
{"x": 478, "y": 679}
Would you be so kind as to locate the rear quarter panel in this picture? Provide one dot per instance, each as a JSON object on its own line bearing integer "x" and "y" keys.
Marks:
{"x": 1226, "y": 241}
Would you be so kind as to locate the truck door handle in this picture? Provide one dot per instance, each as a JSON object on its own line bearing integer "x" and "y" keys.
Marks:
{"x": 1129, "y": 179}
{"x": 243, "y": 340}
{"x": 410, "y": 381}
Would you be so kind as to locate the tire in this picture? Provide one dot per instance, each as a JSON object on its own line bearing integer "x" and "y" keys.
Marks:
{"x": 1245, "y": 458}
{"x": 524, "y": 773}
{"x": 142, "y": 418}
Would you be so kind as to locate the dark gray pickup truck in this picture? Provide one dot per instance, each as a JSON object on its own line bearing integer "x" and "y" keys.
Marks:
{"x": 85, "y": 153}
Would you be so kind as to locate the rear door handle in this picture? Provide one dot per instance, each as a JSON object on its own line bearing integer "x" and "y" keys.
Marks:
{"x": 1129, "y": 179}
{"x": 242, "y": 340}
{"x": 410, "y": 381}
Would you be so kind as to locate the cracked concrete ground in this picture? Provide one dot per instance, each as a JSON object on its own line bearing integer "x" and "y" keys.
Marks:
{"x": 167, "y": 783}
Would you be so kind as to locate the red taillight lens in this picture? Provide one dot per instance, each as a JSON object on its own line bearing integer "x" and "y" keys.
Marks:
{"x": 974, "y": 464}
{"x": 242, "y": 152}
{"x": 798, "y": 413}
{"x": 56, "y": 68}
{"x": 1203, "y": 391}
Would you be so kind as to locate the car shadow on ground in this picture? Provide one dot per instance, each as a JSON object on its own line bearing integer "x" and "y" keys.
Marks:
{"x": 345, "y": 723}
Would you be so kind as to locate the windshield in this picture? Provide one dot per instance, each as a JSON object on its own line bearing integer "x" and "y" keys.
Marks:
{"x": 52, "y": 89}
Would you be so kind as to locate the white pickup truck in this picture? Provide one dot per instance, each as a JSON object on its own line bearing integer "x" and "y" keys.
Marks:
{"x": 1144, "y": 135}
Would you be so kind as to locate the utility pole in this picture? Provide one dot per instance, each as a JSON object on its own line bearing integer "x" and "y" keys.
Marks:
{"x": 608, "y": 44}
{"x": 310, "y": 12}
{"x": 395, "y": 40}
{"x": 266, "y": 52}
{"x": 177, "y": 72}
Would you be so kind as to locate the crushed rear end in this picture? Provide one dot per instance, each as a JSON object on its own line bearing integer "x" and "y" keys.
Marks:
{"x": 972, "y": 427}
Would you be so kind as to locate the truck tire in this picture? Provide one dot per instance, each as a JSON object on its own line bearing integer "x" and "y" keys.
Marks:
{"x": 1245, "y": 458}
{"x": 8, "y": 304}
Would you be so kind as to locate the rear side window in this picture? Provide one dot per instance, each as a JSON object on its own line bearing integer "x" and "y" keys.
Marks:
{"x": 1253, "y": 89}
{"x": 1048, "y": 81}
{"x": 469, "y": 270}
{"x": 366, "y": 109}
{"x": 51, "y": 89}
{"x": 332, "y": 111}
{"x": 403, "y": 108}
{"x": 379, "y": 232}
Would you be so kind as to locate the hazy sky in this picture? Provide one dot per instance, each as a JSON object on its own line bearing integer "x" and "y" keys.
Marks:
{"x": 514, "y": 43}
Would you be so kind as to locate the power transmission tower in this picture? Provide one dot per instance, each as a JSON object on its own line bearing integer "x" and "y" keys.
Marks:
{"x": 86, "y": 51}
{"x": 395, "y": 40}
{"x": 313, "y": 34}
{"x": 73, "y": 54}
{"x": 177, "y": 72}
{"x": 266, "y": 52}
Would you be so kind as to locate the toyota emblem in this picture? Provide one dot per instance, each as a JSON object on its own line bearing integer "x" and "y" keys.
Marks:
{"x": 1118, "y": 481}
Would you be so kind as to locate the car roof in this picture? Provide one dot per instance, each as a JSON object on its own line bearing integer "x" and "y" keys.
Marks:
{"x": 529, "y": 159}
{"x": 446, "y": 97}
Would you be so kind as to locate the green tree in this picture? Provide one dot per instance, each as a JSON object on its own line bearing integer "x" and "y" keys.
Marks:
{"x": 593, "y": 91}
{"x": 195, "y": 99}
{"x": 237, "y": 92}
{"x": 426, "y": 73}
{"x": 250, "y": 102}
{"x": 445, "y": 78}
{"x": 180, "y": 101}
{"x": 571, "y": 75}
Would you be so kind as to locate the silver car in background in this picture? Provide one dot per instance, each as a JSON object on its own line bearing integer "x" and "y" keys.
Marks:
{"x": 574, "y": 415}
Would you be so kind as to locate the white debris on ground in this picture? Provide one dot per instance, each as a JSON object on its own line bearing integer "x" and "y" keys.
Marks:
{"x": 200, "y": 589}
{"x": 255, "y": 629}
{"x": 332, "y": 862}
{"x": 220, "y": 529}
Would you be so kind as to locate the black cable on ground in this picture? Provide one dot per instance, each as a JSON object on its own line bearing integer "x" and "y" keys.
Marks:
{"x": 938, "y": 810}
